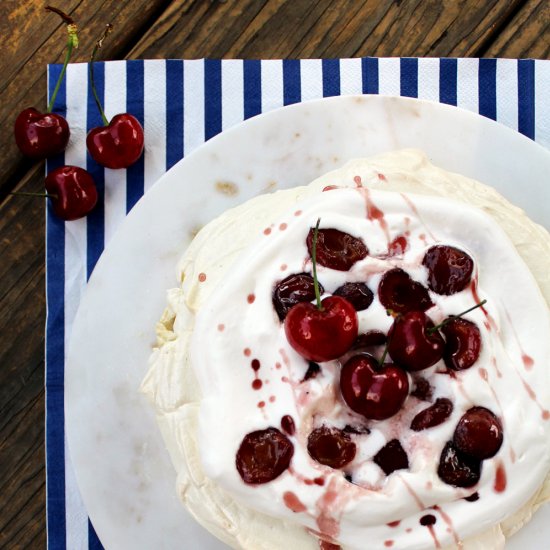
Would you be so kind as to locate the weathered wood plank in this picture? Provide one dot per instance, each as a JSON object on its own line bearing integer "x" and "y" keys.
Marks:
{"x": 22, "y": 315}
{"x": 330, "y": 28}
{"x": 30, "y": 38}
{"x": 526, "y": 35}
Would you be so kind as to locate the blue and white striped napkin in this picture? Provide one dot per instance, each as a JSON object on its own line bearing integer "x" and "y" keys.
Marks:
{"x": 181, "y": 104}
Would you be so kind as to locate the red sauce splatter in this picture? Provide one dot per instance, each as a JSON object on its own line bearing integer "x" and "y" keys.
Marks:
{"x": 545, "y": 415}
{"x": 394, "y": 523}
{"x": 319, "y": 481}
{"x": 381, "y": 177}
{"x": 483, "y": 373}
{"x": 250, "y": 298}
{"x": 255, "y": 364}
{"x": 261, "y": 404}
{"x": 272, "y": 399}
{"x": 408, "y": 530}
{"x": 202, "y": 277}
{"x": 247, "y": 352}
{"x": 283, "y": 226}
{"x": 293, "y": 502}
{"x": 388, "y": 543}
{"x": 257, "y": 384}
{"x": 527, "y": 361}
{"x": 330, "y": 188}
{"x": 221, "y": 327}
{"x": 277, "y": 365}
{"x": 287, "y": 424}
{"x": 325, "y": 545}
{"x": 500, "y": 478}
{"x": 398, "y": 246}
{"x": 298, "y": 213}
{"x": 267, "y": 230}
{"x": 283, "y": 267}
{"x": 475, "y": 295}
{"x": 358, "y": 182}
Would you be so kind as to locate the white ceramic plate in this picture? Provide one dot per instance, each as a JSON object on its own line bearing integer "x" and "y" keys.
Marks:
{"x": 124, "y": 473}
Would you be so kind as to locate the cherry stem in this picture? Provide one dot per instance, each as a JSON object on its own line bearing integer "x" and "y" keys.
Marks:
{"x": 314, "y": 264}
{"x": 29, "y": 194}
{"x": 72, "y": 42}
{"x": 451, "y": 317}
{"x": 98, "y": 45}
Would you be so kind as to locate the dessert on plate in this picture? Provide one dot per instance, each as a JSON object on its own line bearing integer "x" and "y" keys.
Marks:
{"x": 362, "y": 362}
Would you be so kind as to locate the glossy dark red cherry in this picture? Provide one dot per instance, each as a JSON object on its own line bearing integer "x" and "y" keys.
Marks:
{"x": 293, "y": 290}
{"x": 369, "y": 339}
{"x": 449, "y": 269}
{"x": 322, "y": 334}
{"x": 422, "y": 389}
{"x": 118, "y": 145}
{"x": 434, "y": 415}
{"x": 263, "y": 456}
{"x": 373, "y": 391}
{"x": 358, "y": 294}
{"x": 411, "y": 344}
{"x": 399, "y": 293}
{"x": 74, "y": 192}
{"x": 478, "y": 433}
{"x": 336, "y": 249}
{"x": 392, "y": 457}
{"x": 40, "y": 135}
{"x": 331, "y": 447}
{"x": 457, "y": 468}
{"x": 462, "y": 343}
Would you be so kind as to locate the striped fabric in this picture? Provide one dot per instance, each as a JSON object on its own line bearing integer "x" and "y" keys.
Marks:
{"x": 183, "y": 103}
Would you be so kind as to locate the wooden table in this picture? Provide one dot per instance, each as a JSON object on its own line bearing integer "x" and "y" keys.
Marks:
{"x": 30, "y": 38}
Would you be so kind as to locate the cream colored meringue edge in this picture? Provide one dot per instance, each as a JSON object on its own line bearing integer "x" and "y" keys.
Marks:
{"x": 171, "y": 386}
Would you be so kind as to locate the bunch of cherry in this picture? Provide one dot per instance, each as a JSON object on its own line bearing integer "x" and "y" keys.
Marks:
{"x": 117, "y": 144}
{"x": 328, "y": 330}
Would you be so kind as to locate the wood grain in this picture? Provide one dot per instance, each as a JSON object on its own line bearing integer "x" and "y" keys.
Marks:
{"x": 337, "y": 28}
{"x": 30, "y": 38}
{"x": 185, "y": 28}
{"x": 22, "y": 316}
{"x": 526, "y": 35}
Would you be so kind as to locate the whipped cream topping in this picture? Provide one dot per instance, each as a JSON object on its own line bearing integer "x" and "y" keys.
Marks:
{"x": 250, "y": 377}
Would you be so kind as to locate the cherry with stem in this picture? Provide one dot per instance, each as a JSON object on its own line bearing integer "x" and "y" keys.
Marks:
{"x": 42, "y": 135}
{"x": 325, "y": 330}
{"x": 451, "y": 318}
{"x": 119, "y": 143}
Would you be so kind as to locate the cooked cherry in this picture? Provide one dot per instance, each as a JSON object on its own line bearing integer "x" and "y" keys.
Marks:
{"x": 457, "y": 468}
{"x": 336, "y": 249}
{"x": 263, "y": 456}
{"x": 392, "y": 457}
{"x": 370, "y": 339}
{"x": 462, "y": 343}
{"x": 356, "y": 430}
{"x": 449, "y": 269}
{"x": 411, "y": 342}
{"x": 373, "y": 391}
{"x": 331, "y": 447}
{"x": 478, "y": 433}
{"x": 313, "y": 369}
{"x": 422, "y": 389}
{"x": 434, "y": 415}
{"x": 291, "y": 291}
{"x": 399, "y": 293}
{"x": 322, "y": 334}
{"x": 358, "y": 294}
